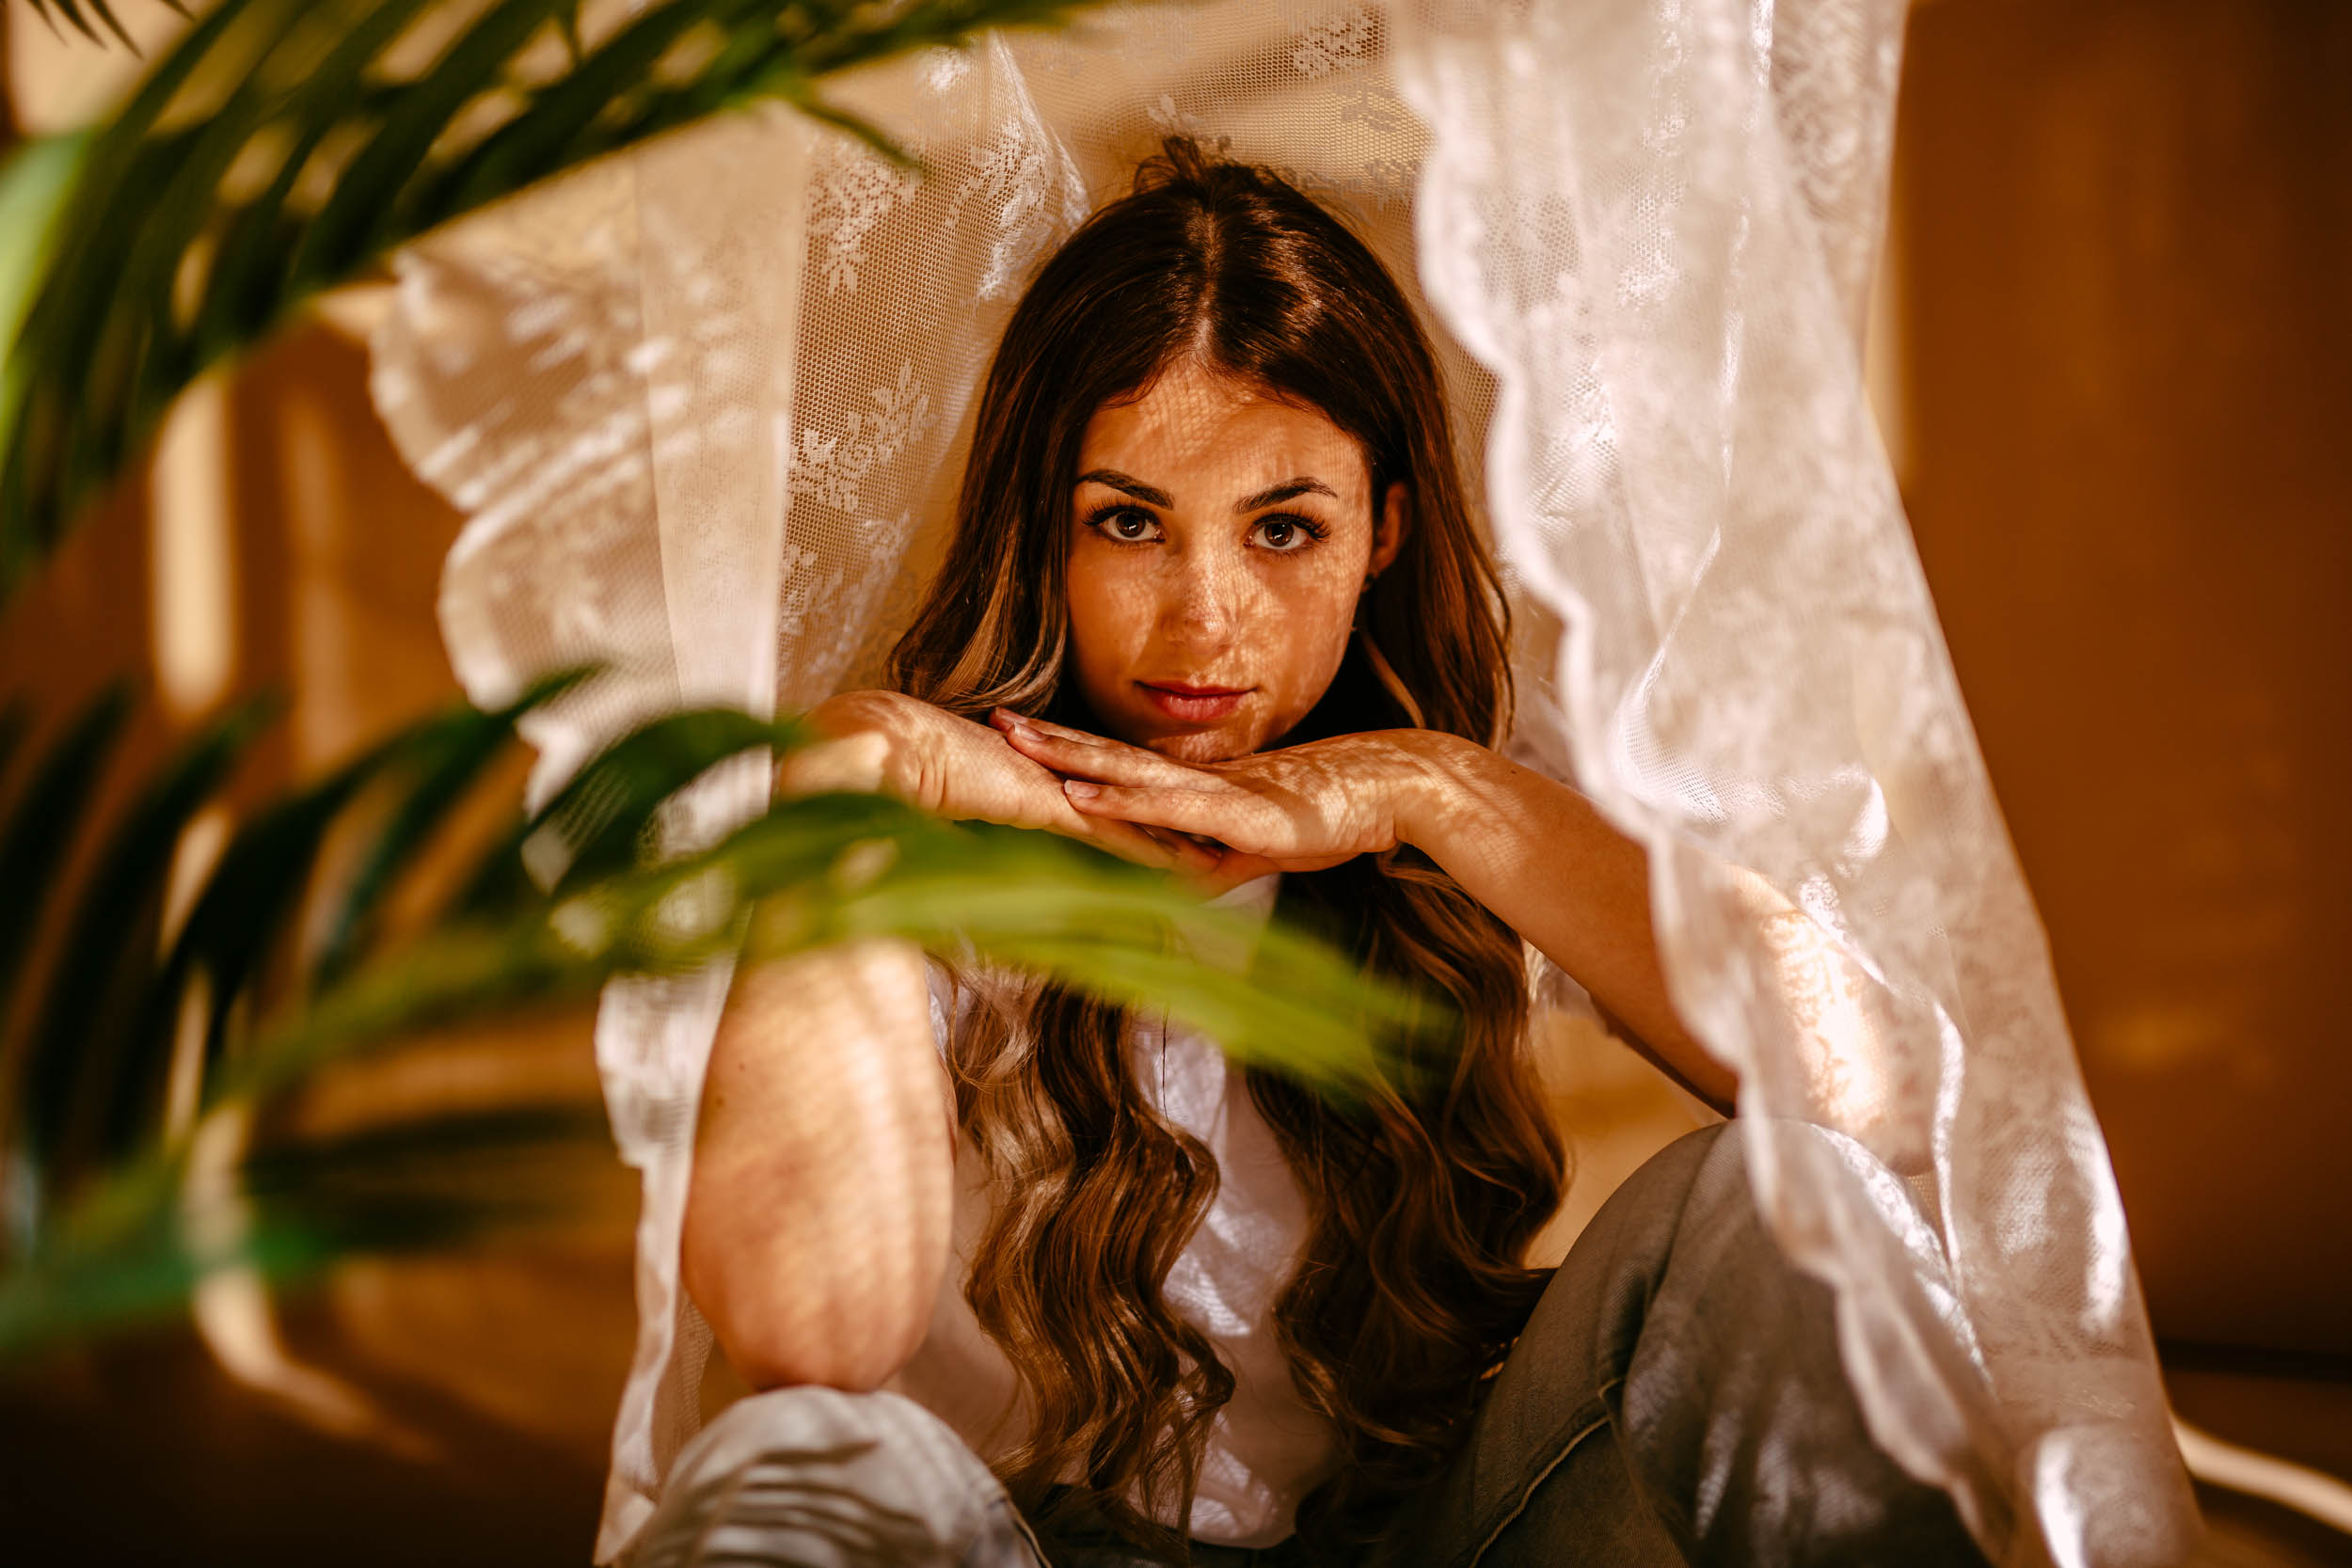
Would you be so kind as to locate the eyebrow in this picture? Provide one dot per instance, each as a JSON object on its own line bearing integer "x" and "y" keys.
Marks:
{"x": 1130, "y": 486}
{"x": 1274, "y": 495}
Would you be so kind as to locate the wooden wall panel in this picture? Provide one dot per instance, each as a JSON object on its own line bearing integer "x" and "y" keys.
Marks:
{"x": 2127, "y": 243}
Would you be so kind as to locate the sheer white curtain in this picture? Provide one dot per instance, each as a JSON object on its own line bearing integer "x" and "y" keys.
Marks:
{"x": 704, "y": 405}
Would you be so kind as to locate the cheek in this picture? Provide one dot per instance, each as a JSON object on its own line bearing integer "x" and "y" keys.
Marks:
{"x": 1107, "y": 618}
{"x": 1315, "y": 618}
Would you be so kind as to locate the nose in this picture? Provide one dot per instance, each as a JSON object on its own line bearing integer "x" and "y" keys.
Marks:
{"x": 1202, "y": 600}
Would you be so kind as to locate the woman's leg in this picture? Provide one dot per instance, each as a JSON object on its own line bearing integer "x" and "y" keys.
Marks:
{"x": 1678, "y": 1397}
{"x": 815, "y": 1478}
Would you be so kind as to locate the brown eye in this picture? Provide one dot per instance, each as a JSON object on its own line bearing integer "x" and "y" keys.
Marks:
{"x": 1125, "y": 525}
{"x": 1285, "y": 535}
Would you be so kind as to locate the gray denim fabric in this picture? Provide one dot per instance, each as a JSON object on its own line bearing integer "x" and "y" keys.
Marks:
{"x": 1677, "y": 1398}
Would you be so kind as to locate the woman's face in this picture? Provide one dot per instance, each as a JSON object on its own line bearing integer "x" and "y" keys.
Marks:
{"x": 1219, "y": 540}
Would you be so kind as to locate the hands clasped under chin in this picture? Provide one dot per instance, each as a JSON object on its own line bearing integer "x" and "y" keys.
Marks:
{"x": 1297, "y": 809}
{"x": 1300, "y": 808}
{"x": 951, "y": 767}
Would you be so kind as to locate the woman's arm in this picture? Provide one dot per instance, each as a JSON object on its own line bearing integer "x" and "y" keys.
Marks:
{"x": 1542, "y": 858}
{"x": 818, "y": 1219}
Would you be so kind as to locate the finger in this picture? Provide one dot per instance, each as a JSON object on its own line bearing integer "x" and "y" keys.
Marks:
{"x": 1105, "y": 764}
{"x": 1006, "y": 719}
{"x": 1125, "y": 840}
{"x": 1229, "y": 817}
{"x": 1087, "y": 756}
{"x": 1040, "y": 730}
{"x": 1182, "y": 853}
{"x": 1041, "y": 803}
{"x": 1193, "y": 857}
{"x": 1187, "y": 856}
{"x": 1160, "y": 849}
{"x": 1234, "y": 868}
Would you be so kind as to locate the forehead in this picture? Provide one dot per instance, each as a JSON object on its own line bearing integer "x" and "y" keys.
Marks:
{"x": 1200, "y": 435}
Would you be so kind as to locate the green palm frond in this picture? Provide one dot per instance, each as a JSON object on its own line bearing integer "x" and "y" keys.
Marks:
{"x": 110, "y": 1207}
{"x": 90, "y": 1067}
{"x": 281, "y": 146}
{"x": 87, "y": 16}
{"x": 33, "y": 846}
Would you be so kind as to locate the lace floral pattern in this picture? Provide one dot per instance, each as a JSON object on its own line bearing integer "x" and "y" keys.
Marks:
{"x": 828, "y": 470}
{"x": 1340, "y": 40}
{"x": 856, "y": 189}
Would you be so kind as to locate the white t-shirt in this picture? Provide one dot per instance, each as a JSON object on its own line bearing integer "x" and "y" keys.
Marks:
{"x": 1265, "y": 1448}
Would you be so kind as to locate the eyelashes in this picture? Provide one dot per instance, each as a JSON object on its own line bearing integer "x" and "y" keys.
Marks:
{"x": 1105, "y": 520}
{"x": 1110, "y": 521}
{"x": 1291, "y": 520}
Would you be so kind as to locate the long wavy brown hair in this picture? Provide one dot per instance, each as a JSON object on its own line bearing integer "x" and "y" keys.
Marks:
{"x": 1423, "y": 1196}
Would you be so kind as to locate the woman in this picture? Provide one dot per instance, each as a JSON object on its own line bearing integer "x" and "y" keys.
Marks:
{"x": 1216, "y": 600}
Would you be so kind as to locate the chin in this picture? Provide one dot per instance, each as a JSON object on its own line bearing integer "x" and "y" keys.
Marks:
{"x": 1202, "y": 746}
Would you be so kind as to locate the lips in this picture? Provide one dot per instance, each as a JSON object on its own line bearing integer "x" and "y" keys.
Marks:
{"x": 1194, "y": 704}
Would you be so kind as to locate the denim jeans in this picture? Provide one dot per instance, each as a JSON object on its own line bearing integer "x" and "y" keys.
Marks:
{"x": 1677, "y": 1398}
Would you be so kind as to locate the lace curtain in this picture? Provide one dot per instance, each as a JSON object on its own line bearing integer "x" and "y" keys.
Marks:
{"x": 706, "y": 406}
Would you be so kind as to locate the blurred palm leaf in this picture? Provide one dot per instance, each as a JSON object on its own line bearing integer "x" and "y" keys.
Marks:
{"x": 281, "y": 146}
{"x": 115, "y": 1207}
{"x": 33, "y": 845}
{"x": 87, "y": 16}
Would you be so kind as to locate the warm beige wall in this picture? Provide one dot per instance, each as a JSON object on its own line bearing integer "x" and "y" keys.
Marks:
{"x": 2128, "y": 242}
{"x": 326, "y": 594}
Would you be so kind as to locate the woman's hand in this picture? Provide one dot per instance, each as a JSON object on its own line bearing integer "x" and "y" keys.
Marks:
{"x": 953, "y": 768}
{"x": 1534, "y": 852}
{"x": 1297, "y": 809}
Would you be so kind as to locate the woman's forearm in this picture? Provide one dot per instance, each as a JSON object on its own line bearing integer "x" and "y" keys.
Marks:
{"x": 817, "y": 1221}
{"x": 1542, "y": 858}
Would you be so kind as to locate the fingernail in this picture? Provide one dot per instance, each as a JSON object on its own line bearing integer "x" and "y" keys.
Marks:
{"x": 1080, "y": 789}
